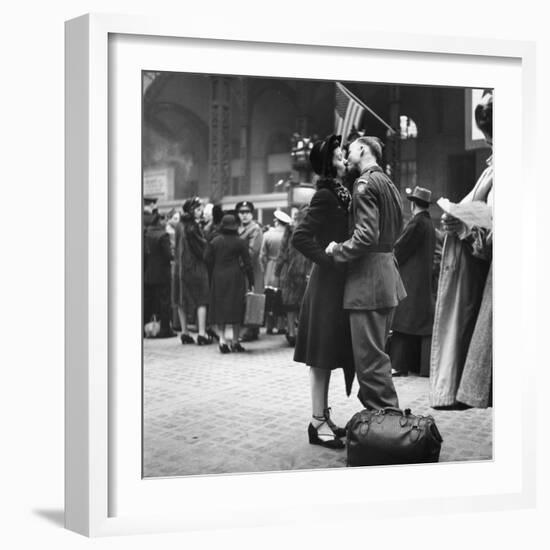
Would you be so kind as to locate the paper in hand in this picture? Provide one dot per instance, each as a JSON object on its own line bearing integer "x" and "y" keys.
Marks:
{"x": 474, "y": 213}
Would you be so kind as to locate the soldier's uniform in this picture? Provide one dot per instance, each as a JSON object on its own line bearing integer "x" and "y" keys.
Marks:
{"x": 373, "y": 285}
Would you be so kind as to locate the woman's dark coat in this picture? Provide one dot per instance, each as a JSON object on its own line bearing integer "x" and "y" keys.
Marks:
{"x": 324, "y": 339}
{"x": 414, "y": 251}
{"x": 192, "y": 289}
{"x": 228, "y": 258}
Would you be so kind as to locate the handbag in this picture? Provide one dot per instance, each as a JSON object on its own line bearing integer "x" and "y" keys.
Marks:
{"x": 391, "y": 436}
{"x": 152, "y": 328}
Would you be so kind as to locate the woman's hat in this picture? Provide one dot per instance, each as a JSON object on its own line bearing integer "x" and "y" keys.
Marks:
{"x": 282, "y": 217}
{"x": 229, "y": 224}
{"x": 320, "y": 156}
{"x": 420, "y": 194}
{"x": 190, "y": 204}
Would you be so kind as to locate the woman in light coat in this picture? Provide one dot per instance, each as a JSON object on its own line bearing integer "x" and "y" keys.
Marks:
{"x": 461, "y": 354}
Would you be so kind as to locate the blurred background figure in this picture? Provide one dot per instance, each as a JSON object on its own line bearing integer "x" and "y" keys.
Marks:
{"x": 193, "y": 285}
{"x": 172, "y": 219}
{"x": 251, "y": 232}
{"x": 409, "y": 345}
{"x": 232, "y": 274}
{"x": 292, "y": 268}
{"x": 271, "y": 245}
{"x": 158, "y": 256}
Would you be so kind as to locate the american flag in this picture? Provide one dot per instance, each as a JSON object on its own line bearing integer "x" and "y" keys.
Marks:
{"x": 347, "y": 113}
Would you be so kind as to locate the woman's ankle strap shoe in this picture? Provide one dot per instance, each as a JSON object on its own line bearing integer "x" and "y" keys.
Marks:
{"x": 314, "y": 439}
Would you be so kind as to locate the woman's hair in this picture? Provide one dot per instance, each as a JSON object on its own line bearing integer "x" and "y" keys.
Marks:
{"x": 217, "y": 214}
{"x": 484, "y": 113}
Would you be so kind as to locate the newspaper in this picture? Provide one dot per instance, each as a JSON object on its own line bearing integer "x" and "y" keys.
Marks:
{"x": 474, "y": 213}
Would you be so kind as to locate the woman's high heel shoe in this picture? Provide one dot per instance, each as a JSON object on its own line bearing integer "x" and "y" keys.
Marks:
{"x": 224, "y": 348}
{"x": 314, "y": 439}
{"x": 336, "y": 430}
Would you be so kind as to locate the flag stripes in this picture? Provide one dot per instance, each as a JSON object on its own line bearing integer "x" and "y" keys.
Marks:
{"x": 347, "y": 113}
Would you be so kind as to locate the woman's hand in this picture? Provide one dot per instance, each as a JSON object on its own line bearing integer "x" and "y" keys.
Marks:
{"x": 450, "y": 224}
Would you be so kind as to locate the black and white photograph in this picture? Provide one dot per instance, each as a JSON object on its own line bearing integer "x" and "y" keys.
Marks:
{"x": 317, "y": 274}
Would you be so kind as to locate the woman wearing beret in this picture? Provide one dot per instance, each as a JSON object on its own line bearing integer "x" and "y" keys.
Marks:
{"x": 192, "y": 288}
{"x": 324, "y": 340}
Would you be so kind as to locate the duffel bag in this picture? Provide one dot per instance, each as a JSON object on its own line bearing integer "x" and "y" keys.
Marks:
{"x": 391, "y": 436}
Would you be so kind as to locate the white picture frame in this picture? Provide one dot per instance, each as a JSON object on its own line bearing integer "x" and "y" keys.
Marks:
{"x": 95, "y": 447}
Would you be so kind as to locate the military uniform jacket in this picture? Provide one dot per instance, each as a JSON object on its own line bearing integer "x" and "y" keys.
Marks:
{"x": 373, "y": 280}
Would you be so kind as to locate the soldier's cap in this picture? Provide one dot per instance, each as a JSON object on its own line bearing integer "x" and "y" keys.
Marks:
{"x": 420, "y": 194}
{"x": 282, "y": 217}
{"x": 243, "y": 205}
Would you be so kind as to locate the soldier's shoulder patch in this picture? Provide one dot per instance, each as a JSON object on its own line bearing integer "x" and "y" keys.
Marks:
{"x": 361, "y": 187}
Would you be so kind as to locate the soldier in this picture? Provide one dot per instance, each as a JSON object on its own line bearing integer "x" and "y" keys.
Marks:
{"x": 251, "y": 231}
{"x": 373, "y": 284}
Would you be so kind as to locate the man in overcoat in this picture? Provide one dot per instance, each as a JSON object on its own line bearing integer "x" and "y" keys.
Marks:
{"x": 373, "y": 284}
{"x": 157, "y": 276}
{"x": 410, "y": 342}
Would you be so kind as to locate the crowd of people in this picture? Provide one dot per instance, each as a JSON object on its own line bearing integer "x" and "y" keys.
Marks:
{"x": 356, "y": 289}
{"x": 200, "y": 263}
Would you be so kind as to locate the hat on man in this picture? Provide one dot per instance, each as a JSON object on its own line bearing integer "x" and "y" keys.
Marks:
{"x": 320, "y": 156}
{"x": 420, "y": 194}
{"x": 244, "y": 205}
{"x": 229, "y": 224}
{"x": 282, "y": 217}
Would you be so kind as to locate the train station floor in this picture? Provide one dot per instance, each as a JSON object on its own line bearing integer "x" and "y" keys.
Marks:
{"x": 209, "y": 413}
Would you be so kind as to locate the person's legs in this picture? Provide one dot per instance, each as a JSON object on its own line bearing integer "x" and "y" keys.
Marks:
{"x": 163, "y": 292}
{"x": 291, "y": 323}
{"x": 369, "y": 330}
{"x": 201, "y": 320}
{"x": 320, "y": 430}
{"x": 403, "y": 352}
{"x": 185, "y": 337}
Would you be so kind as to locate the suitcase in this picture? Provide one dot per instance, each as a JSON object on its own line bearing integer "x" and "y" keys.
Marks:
{"x": 391, "y": 436}
{"x": 254, "y": 310}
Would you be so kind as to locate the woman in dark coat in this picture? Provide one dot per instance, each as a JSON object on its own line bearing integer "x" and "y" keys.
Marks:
{"x": 324, "y": 339}
{"x": 192, "y": 290}
{"x": 292, "y": 269}
{"x": 229, "y": 261}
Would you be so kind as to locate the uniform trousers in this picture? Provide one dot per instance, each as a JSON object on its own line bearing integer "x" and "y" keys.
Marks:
{"x": 369, "y": 332}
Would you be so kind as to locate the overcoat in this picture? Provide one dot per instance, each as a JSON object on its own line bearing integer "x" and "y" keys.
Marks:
{"x": 292, "y": 269}
{"x": 462, "y": 331}
{"x": 253, "y": 235}
{"x": 271, "y": 245}
{"x": 192, "y": 289}
{"x": 324, "y": 337}
{"x": 157, "y": 256}
{"x": 373, "y": 280}
{"x": 414, "y": 252}
{"x": 229, "y": 261}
